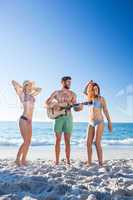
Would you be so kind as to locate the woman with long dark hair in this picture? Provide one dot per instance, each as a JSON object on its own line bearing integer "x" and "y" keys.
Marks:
{"x": 96, "y": 121}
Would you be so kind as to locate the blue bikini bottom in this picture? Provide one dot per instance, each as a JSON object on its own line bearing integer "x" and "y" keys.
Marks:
{"x": 96, "y": 122}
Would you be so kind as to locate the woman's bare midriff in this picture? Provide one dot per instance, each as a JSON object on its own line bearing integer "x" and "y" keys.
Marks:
{"x": 95, "y": 114}
{"x": 28, "y": 111}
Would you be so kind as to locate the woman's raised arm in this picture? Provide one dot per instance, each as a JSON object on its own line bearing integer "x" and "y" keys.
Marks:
{"x": 36, "y": 91}
{"x": 18, "y": 88}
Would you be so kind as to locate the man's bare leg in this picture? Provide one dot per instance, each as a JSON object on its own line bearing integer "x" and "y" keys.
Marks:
{"x": 57, "y": 148}
{"x": 67, "y": 137}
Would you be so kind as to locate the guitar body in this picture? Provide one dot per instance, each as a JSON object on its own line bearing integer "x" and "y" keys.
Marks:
{"x": 55, "y": 110}
{"x": 53, "y": 114}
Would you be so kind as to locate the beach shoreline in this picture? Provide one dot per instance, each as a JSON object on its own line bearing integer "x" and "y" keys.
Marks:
{"x": 77, "y": 153}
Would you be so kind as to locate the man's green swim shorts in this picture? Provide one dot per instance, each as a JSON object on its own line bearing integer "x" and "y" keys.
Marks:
{"x": 64, "y": 124}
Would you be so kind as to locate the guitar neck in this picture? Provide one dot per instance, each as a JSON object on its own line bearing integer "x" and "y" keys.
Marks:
{"x": 84, "y": 103}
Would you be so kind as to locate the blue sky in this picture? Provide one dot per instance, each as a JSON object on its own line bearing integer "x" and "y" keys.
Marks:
{"x": 46, "y": 39}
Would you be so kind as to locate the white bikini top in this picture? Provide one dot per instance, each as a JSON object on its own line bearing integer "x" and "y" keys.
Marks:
{"x": 25, "y": 98}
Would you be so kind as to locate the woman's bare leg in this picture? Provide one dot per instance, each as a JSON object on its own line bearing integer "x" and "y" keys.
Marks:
{"x": 18, "y": 158}
{"x": 27, "y": 143}
{"x": 99, "y": 133}
{"x": 24, "y": 132}
{"x": 22, "y": 127}
{"x": 91, "y": 133}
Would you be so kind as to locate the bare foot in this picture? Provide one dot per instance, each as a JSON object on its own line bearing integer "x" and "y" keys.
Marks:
{"x": 56, "y": 162}
{"x": 24, "y": 162}
{"x": 68, "y": 162}
{"x": 87, "y": 164}
{"x": 100, "y": 164}
{"x": 18, "y": 163}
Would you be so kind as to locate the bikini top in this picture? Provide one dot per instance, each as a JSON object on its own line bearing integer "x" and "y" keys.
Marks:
{"x": 27, "y": 98}
{"x": 96, "y": 104}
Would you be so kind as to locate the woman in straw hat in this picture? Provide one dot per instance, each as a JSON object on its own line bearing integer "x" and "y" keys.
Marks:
{"x": 26, "y": 93}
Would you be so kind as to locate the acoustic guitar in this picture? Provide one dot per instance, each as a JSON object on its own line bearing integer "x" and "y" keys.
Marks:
{"x": 56, "y": 110}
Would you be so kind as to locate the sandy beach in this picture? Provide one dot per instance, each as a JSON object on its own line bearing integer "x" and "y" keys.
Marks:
{"x": 42, "y": 180}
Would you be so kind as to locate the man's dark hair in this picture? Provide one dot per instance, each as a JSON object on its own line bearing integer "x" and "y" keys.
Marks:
{"x": 65, "y": 78}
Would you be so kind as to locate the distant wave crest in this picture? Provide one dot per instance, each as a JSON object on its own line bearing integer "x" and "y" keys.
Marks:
{"x": 80, "y": 142}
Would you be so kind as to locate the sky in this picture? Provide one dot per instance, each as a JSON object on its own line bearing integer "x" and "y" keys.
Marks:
{"x": 44, "y": 40}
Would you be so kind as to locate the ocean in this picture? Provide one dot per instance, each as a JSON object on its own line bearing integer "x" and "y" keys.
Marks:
{"x": 43, "y": 134}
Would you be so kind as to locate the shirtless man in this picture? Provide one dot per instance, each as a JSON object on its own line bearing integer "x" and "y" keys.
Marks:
{"x": 64, "y": 123}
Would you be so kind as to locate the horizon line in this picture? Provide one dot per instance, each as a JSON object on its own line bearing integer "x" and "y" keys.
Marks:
{"x": 51, "y": 121}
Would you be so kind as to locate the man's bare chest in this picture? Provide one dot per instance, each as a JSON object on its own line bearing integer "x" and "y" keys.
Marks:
{"x": 64, "y": 97}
